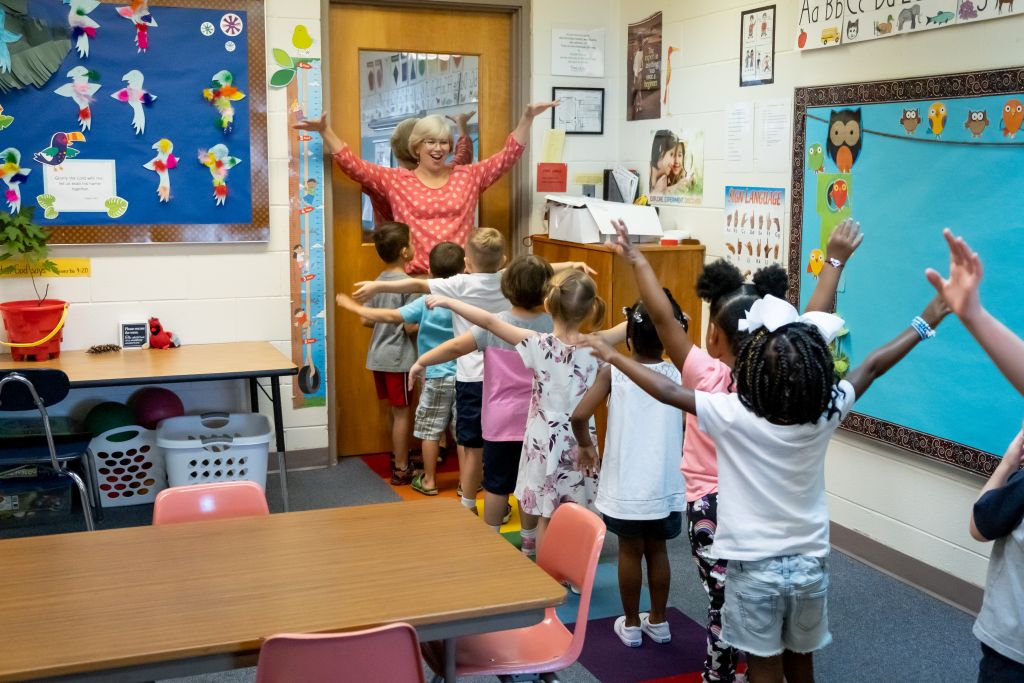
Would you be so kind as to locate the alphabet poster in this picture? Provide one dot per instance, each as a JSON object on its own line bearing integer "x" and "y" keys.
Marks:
{"x": 827, "y": 23}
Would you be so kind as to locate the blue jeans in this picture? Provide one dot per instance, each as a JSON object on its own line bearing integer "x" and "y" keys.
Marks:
{"x": 776, "y": 604}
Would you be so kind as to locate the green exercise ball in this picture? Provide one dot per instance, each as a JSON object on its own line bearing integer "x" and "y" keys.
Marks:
{"x": 108, "y": 415}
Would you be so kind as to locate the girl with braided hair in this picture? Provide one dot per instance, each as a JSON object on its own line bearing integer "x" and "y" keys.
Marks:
{"x": 770, "y": 438}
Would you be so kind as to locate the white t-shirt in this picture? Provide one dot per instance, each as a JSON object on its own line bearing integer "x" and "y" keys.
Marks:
{"x": 640, "y": 477}
{"x": 482, "y": 290}
{"x": 771, "y": 479}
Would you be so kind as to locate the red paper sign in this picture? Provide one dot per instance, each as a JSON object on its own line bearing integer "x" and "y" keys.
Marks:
{"x": 552, "y": 177}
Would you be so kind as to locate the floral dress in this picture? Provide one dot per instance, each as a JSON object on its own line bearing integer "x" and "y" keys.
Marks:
{"x": 549, "y": 472}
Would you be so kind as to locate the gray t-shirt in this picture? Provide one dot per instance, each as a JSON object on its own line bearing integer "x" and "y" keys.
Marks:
{"x": 390, "y": 349}
{"x": 486, "y": 339}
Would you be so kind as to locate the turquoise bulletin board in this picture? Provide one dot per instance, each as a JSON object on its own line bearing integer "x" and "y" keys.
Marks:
{"x": 166, "y": 100}
{"x": 908, "y": 158}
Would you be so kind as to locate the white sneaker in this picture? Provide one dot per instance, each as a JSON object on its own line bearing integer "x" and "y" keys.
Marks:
{"x": 659, "y": 633}
{"x": 629, "y": 635}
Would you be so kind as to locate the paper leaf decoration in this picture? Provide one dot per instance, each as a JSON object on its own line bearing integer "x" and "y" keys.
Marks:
{"x": 281, "y": 78}
{"x": 136, "y": 97}
{"x": 161, "y": 164}
{"x": 5, "y": 120}
{"x": 47, "y": 202}
{"x": 116, "y": 206}
{"x": 282, "y": 58}
{"x": 36, "y": 56}
{"x": 221, "y": 94}
{"x": 13, "y": 176}
{"x": 81, "y": 90}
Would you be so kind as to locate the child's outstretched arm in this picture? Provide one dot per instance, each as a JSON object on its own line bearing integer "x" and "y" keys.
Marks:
{"x": 673, "y": 337}
{"x": 369, "y": 315}
{"x": 657, "y": 385}
{"x": 589, "y": 458}
{"x": 884, "y": 357}
{"x": 613, "y": 335}
{"x": 960, "y": 292}
{"x": 843, "y": 241}
{"x": 481, "y": 318}
{"x": 450, "y": 350}
{"x": 995, "y": 518}
{"x": 573, "y": 265}
{"x": 410, "y": 285}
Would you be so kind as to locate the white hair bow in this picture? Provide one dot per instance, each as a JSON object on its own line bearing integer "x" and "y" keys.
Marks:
{"x": 772, "y": 313}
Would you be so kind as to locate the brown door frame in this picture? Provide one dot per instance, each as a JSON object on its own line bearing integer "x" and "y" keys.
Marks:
{"x": 521, "y": 16}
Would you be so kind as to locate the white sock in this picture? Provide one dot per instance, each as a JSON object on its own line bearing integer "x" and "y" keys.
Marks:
{"x": 528, "y": 533}
{"x": 496, "y": 527}
{"x": 469, "y": 503}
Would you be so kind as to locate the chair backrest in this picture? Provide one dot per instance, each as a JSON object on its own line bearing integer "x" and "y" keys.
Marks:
{"x": 386, "y": 653}
{"x": 219, "y": 500}
{"x": 51, "y": 385}
{"x": 572, "y": 544}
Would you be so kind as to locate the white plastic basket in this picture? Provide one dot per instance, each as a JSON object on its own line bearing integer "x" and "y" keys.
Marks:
{"x": 128, "y": 466}
{"x": 199, "y": 449}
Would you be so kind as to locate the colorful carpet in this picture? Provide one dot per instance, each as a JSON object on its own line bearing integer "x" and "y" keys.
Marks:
{"x": 604, "y": 656}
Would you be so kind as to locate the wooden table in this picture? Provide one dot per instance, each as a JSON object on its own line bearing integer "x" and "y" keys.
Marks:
{"x": 192, "y": 363}
{"x": 146, "y": 603}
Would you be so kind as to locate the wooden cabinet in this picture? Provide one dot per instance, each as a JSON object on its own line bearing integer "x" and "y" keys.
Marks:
{"x": 677, "y": 268}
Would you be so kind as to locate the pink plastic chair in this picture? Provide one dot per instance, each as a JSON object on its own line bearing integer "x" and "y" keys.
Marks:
{"x": 569, "y": 554}
{"x": 386, "y": 653}
{"x": 219, "y": 500}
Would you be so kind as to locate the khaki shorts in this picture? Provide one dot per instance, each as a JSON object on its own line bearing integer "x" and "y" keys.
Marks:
{"x": 436, "y": 408}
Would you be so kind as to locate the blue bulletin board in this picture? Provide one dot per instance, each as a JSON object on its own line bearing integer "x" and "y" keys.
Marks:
{"x": 152, "y": 62}
{"x": 907, "y": 159}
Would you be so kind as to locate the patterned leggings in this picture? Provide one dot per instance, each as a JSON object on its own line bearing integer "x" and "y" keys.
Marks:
{"x": 702, "y": 517}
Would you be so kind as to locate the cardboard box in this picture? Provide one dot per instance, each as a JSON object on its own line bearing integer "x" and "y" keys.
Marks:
{"x": 588, "y": 221}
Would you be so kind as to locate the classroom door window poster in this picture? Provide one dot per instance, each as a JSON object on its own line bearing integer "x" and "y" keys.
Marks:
{"x": 757, "y": 46}
{"x": 676, "y": 176}
{"x": 754, "y": 218}
{"x": 643, "y": 69}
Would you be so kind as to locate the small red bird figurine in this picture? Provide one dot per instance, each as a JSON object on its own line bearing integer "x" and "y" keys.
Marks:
{"x": 159, "y": 338}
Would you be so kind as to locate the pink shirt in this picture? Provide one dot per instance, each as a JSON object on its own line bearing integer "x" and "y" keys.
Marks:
{"x": 701, "y": 372}
{"x": 446, "y": 213}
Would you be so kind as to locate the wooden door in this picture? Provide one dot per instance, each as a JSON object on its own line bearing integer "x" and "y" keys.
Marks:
{"x": 361, "y": 421}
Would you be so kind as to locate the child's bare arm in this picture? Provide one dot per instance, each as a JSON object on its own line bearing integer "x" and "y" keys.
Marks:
{"x": 598, "y": 392}
{"x": 450, "y": 350}
{"x": 410, "y": 285}
{"x": 1012, "y": 460}
{"x": 573, "y": 265}
{"x": 673, "y": 337}
{"x": 613, "y": 335}
{"x": 881, "y": 359}
{"x": 657, "y": 385}
{"x": 481, "y": 318}
{"x": 960, "y": 291}
{"x": 843, "y": 241}
{"x": 369, "y": 315}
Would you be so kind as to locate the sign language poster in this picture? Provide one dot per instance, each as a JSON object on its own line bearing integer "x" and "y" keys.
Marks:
{"x": 754, "y": 218}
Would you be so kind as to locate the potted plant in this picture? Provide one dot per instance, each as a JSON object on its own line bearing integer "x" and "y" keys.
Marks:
{"x": 33, "y": 326}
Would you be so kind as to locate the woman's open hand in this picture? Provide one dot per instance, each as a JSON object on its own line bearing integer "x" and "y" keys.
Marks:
{"x": 536, "y": 109}
{"x": 317, "y": 125}
{"x": 960, "y": 289}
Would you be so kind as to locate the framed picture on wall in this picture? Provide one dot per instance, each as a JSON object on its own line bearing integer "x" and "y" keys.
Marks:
{"x": 581, "y": 111}
{"x": 757, "y": 46}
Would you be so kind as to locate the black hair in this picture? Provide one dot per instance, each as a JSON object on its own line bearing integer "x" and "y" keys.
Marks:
{"x": 664, "y": 140}
{"x": 447, "y": 259}
{"x": 786, "y": 376}
{"x": 390, "y": 238}
{"x": 730, "y": 297}
{"x": 641, "y": 334}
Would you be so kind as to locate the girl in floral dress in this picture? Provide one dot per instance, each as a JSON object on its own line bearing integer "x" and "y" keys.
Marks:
{"x": 549, "y": 470}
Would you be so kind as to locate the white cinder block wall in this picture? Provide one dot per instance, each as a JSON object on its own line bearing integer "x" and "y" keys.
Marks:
{"x": 203, "y": 293}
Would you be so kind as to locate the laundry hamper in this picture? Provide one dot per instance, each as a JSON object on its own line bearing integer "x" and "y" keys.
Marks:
{"x": 127, "y": 465}
{"x": 199, "y": 449}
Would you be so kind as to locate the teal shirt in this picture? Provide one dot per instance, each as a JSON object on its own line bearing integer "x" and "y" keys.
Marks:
{"x": 435, "y": 329}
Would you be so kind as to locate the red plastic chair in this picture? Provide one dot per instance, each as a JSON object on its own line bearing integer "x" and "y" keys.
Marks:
{"x": 569, "y": 554}
{"x": 386, "y": 653}
{"x": 219, "y": 500}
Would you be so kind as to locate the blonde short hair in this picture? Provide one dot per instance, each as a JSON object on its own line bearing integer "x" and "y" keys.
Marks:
{"x": 400, "y": 141}
{"x": 486, "y": 248}
{"x": 433, "y": 127}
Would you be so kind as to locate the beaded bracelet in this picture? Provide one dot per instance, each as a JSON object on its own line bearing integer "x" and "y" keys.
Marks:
{"x": 922, "y": 328}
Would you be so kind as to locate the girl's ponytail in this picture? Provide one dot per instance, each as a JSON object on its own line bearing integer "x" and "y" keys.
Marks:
{"x": 597, "y": 312}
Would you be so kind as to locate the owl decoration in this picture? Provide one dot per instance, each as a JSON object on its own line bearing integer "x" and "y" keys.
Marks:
{"x": 838, "y": 193}
{"x": 816, "y": 263}
{"x": 815, "y": 158}
{"x": 977, "y": 122}
{"x": 844, "y": 138}
{"x": 1013, "y": 116}
{"x": 910, "y": 120}
{"x": 937, "y": 118}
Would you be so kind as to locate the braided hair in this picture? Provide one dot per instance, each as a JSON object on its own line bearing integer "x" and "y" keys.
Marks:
{"x": 641, "y": 334}
{"x": 722, "y": 285}
{"x": 786, "y": 376}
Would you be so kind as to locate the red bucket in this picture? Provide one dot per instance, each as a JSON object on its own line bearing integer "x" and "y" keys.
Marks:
{"x": 30, "y": 322}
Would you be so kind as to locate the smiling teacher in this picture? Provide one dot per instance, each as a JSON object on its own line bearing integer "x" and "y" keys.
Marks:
{"x": 437, "y": 201}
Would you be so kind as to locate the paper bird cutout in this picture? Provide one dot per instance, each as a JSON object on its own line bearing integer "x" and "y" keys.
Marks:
{"x": 81, "y": 89}
{"x": 163, "y": 162}
{"x": 60, "y": 149}
{"x": 222, "y": 93}
{"x": 13, "y": 176}
{"x": 219, "y": 161}
{"x": 138, "y": 13}
{"x": 136, "y": 97}
{"x": 5, "y": 120}
{"x": 83, "y": 27}
{"x": 6, "y": 37}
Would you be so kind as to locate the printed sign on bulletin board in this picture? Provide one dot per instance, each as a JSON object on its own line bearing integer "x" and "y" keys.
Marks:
{"x": 137, "y": 122}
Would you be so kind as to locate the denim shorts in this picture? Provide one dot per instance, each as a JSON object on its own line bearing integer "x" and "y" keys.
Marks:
{"x": 776, "y": 604}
